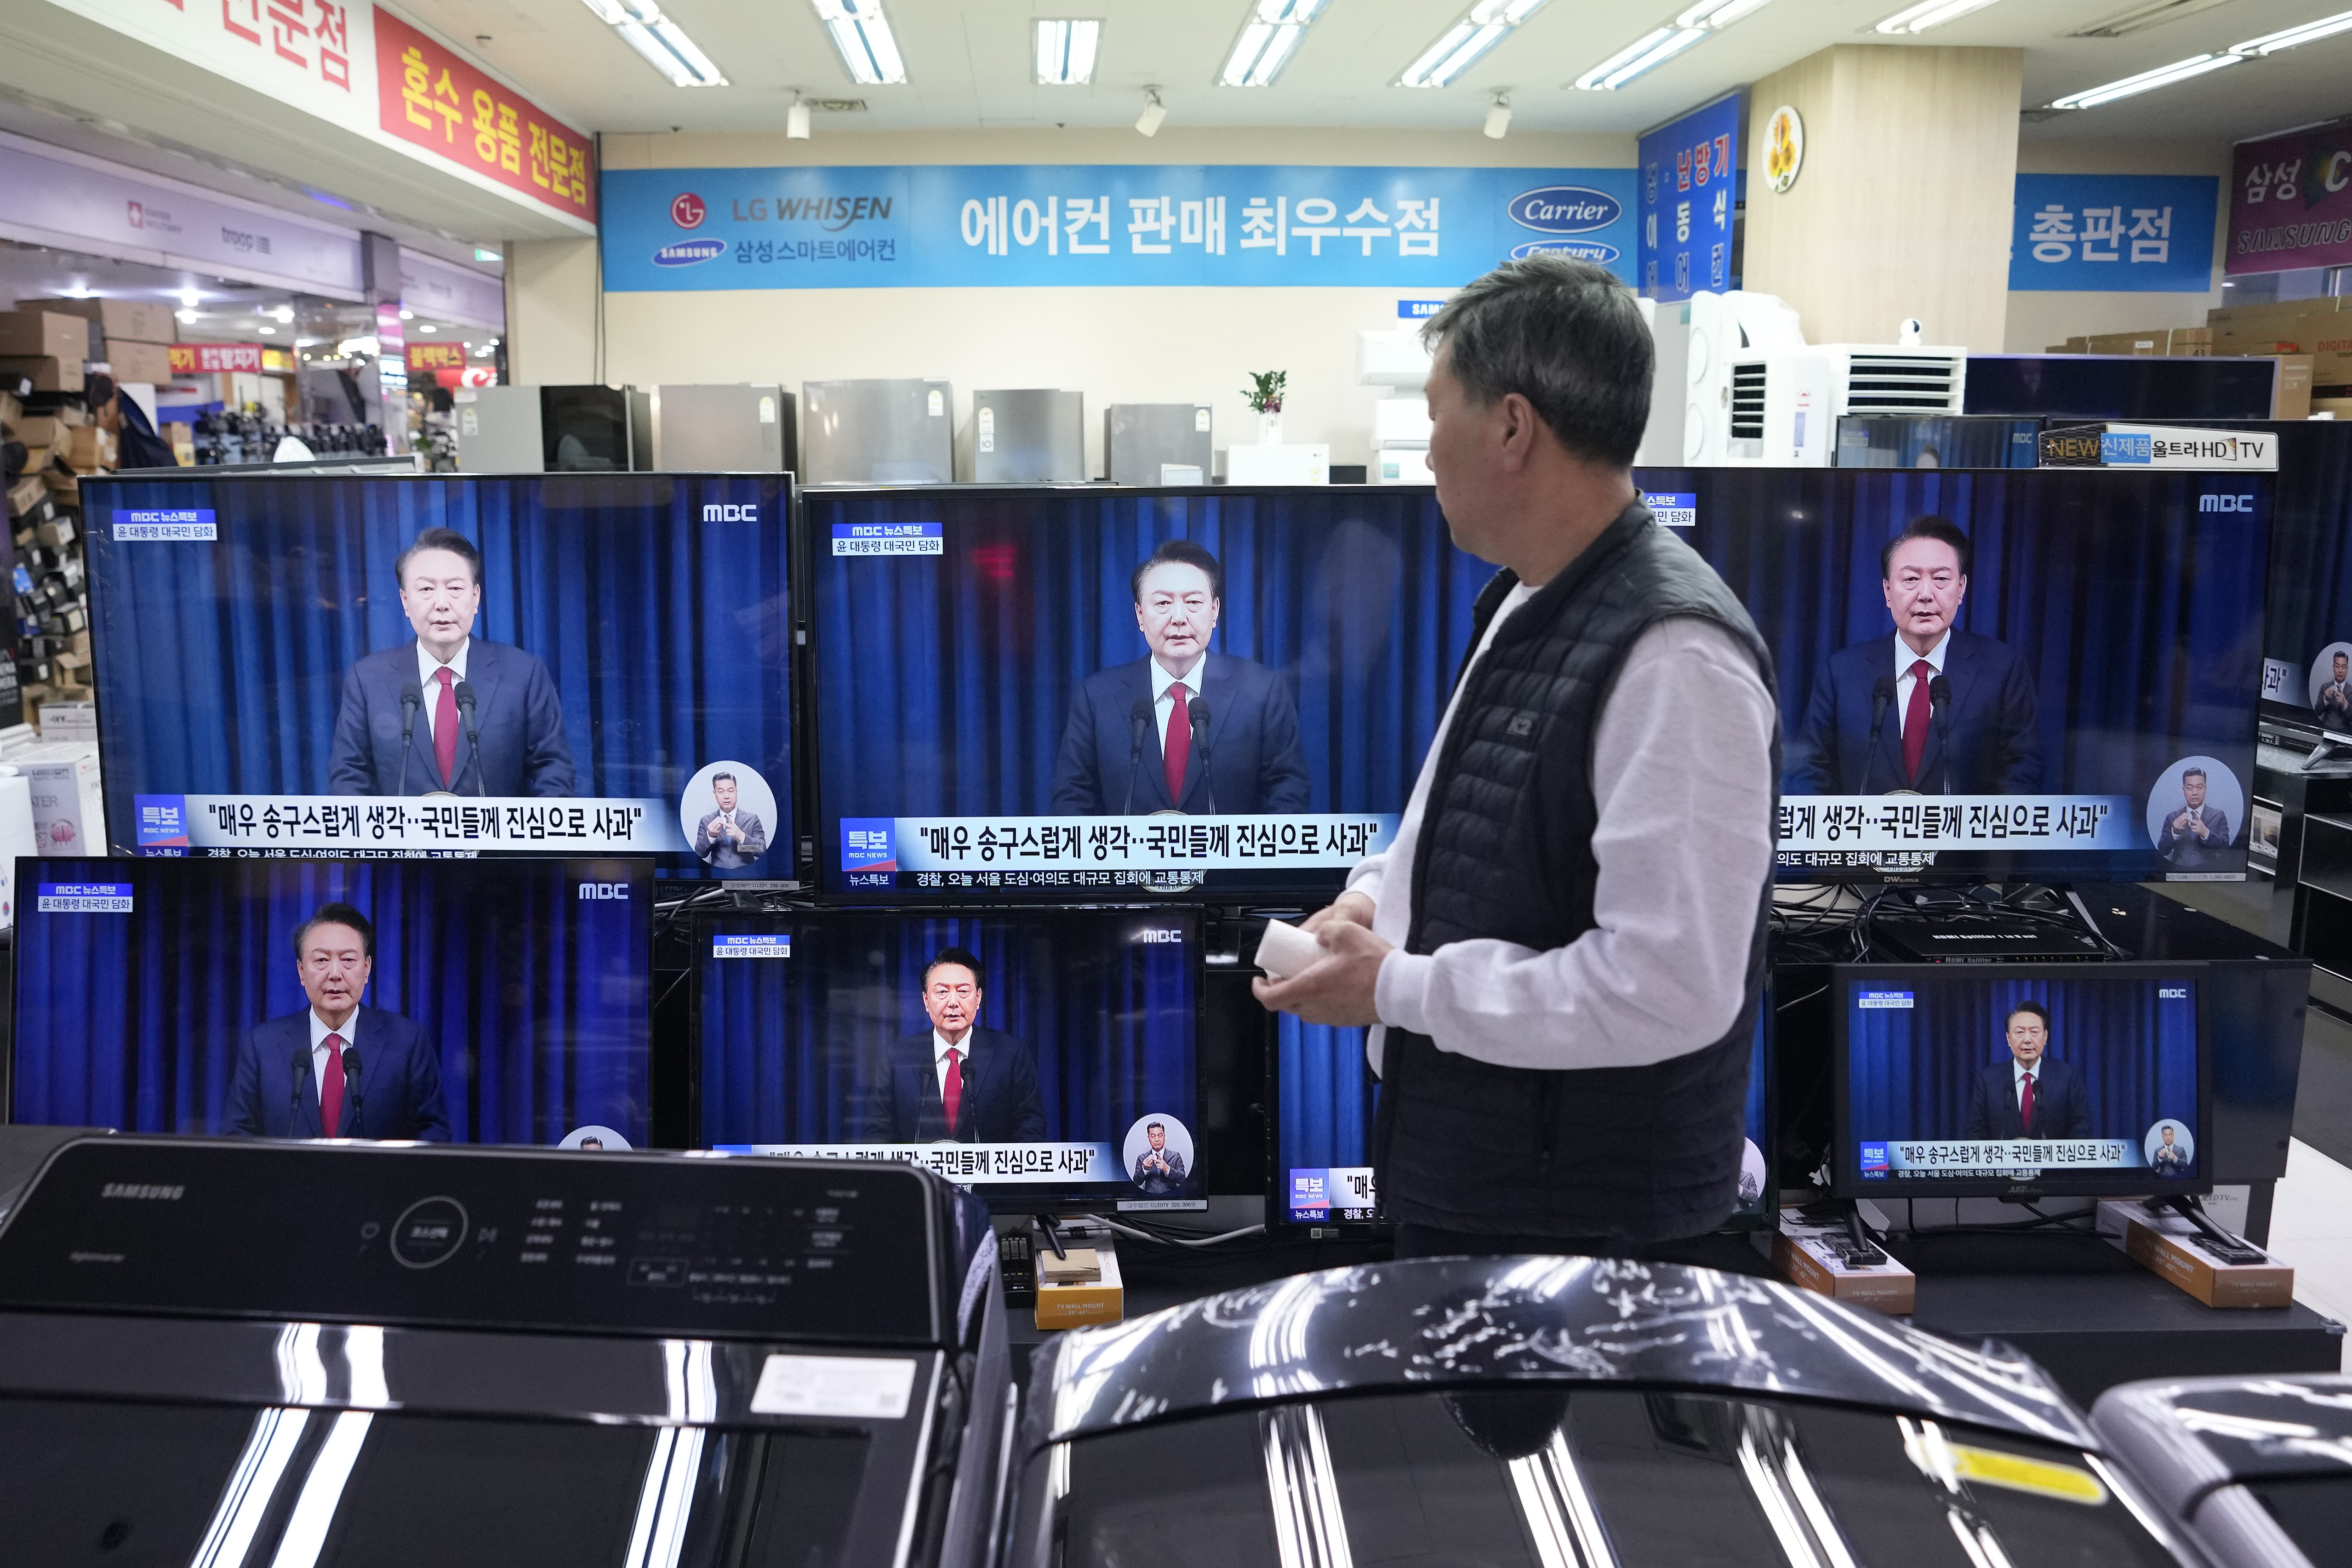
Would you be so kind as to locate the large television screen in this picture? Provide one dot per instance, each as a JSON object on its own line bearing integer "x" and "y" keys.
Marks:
{"x": 996, "y": 675}
{"x": 1965, "y": 1079}
{"x": 479, "y": 1001}
{"x": 573, "y": 664}
{"x": 2089, "y": 708}
{"x": 2307, "y": 629}
{"x": 1034, "y": 1055}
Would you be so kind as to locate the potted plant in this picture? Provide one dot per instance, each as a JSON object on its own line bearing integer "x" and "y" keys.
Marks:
{"x": 1265, "y": 395}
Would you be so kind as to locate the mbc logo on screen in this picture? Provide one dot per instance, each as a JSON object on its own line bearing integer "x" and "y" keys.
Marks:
{"x": 603, "y": 891}
{"x": 2225, "y": 503}
{"x": 1158, "y": 934}
{"x": 731, "y": 512}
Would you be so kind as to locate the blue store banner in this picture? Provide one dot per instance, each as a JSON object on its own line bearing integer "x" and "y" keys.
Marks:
{"x": 1691, "y": 174}
{"x": 2114, "y": 233}
{"x": 1027, "y": 226}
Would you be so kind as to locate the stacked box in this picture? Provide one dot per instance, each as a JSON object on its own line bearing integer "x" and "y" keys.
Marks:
{"x": 68, "y": 809}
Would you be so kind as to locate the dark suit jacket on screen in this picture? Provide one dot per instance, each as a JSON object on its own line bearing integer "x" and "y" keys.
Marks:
{"x": 400, "y": 1083}
{"x": 2186, "y": 852}
{"x": 2061, "y": 1107}
{"x": 1987, "y": 745}
{"x": 516, "y": 713}
{"x": 1001, "y": 1104}
{"x": 716, "y": 848}
{"x": 1256, "y": 763}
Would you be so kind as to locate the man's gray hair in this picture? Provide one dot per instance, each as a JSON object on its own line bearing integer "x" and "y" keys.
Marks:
{"x": 1567, "y": 336}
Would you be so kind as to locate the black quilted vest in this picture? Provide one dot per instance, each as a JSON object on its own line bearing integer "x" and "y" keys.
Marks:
{"x": 1634, "y": 1155}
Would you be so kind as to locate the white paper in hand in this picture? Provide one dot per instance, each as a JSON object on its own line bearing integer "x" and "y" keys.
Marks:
{"x": 1284, "y": 949}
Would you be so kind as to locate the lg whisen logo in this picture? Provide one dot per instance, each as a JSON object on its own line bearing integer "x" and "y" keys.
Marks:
{"x": 687, "y": 211}
{"x": 731, "y": 512}
{"x": 1159, "y": 934}
{"x": 152, "y": 1192}
{"x": 591, "y": 890}
{"x": 2225, "y": 503}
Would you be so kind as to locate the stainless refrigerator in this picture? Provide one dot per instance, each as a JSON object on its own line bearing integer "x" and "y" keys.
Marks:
{"x": 878, "y": 433}
{"x": 738, "y": 429}
{"x": 1028, "y": 435}
{"x": 1140, "y": 438}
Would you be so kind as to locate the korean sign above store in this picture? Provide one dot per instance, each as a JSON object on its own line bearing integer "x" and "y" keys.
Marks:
{"x": 356, "y": 64}
{"x": 202, "y": 358}
{"x": 1018, "y": 225}
{"x": 2291, "y": 203}
{"x": 1690, "y": 171}
{"x": 2113, "y": 233}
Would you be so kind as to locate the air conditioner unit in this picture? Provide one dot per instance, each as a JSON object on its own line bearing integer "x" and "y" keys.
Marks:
{"x": 1719, "y": 328}
{"x": 1782, "y": 406}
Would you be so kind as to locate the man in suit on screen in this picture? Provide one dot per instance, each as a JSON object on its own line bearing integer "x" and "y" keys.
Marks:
{"x": 1929, "y": 709}
{"x": 2033, "y": 1094}
{"x": 336, "y": 1070}
{"x": 956, "y": 1082}
{"x": 1184, "y": 729}
{"x": 405, "y": 728}
{"x": 2197, "y": 836}
{"x": 729, "y": 837}
{"x": 2334, "y": 703}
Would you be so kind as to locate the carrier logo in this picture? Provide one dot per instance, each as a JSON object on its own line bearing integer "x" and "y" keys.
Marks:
{"x": 731, "y": 512}
{"x": 1159, "y": 934}
{"x": 1582, "y": 249}
{"x": 2225, "y": 503}
{"x": 603, "y": 892}
{"x": 687, "y": 211}
{"x": 1565, "y": 209}
{"x": 689, "y": 252}
{"x": 145, "y": 1191}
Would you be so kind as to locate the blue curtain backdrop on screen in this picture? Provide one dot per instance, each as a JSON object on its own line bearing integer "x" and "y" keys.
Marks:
{"x": 1111, "y": 1020}
{"x": 537, "y": 999}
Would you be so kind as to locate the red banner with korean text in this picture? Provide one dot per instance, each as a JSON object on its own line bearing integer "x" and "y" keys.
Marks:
{"x": 424, "y": 358}
{"x": 203, "y": 359}
{"x": 2291, "y": 203}
{"x": 431, "y": 99}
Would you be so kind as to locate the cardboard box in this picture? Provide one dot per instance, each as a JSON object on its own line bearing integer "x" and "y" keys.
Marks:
{"x": 2077, "y": 346}
{"x": 56, "y": 532}
{"x": 2149, "y": 342}
{"x": 41, "y": 430}
{"x": 2196, "y": 342}
{"x": 1102, "y": 1301}
{"x": 92, "y": 450}
{"x": 27, "y": 493}
{"x": 68, "y": 802}
{"x": 2331, "y": 407}
{"x": 141, "y": 320}
{"x": 11, "y": 410}
{"x": 44, "y": 334}
{"x": 46, "y": 374}
{"x": 2290, "y": 396}
{"x": 134, "y": 361}
{"x": 2162, "y": 1244}
{"x": 1801, "y": 1252}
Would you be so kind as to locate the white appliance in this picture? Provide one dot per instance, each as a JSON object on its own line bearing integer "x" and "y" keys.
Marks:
{"x": 1279, "y": 465}
{"x": 1662, "y": 439}
{"x": 1719, "y": 328}
{"x": 1784, "y": 404}
{"x": 1399, "y": 362}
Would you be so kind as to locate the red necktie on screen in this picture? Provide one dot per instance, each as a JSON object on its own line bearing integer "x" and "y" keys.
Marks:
{"x": 1915, "y": 719}
{"x": 951, "y": 1091}
{"x": 1178, "y": 749}
{"x": 331, "y": 1088}
{"x": 445, "y": 727}
{"x": 2025, "y": 1102}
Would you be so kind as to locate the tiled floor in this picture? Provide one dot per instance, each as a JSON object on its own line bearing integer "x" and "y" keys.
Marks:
{"x": 2311, "y": 1227}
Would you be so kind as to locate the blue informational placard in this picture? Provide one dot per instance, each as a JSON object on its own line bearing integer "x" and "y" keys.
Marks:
{"x": 2114, "y": 233}
{"x": 1690, "y": 173}
{"x": 1026, "y": 225}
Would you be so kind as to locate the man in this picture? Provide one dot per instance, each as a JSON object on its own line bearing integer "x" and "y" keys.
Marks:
{"x": 2033, "y": 1094}
{"x": 958, "y": 1083}
{"x": 339, "y": 1070}
{"x": 2334, "y": 704}
{"x": 1159, "y": 1170}
{"x": 1564, "y": 943}
{"x": 728, "y": 838}
{"x": 136, "y": 444}
{"x": 512, "y": 744}
{"x": 2171, "y": 1160}
{"x": 1131, "y": 744}
{"x": 1873, "y": 727}
{"x": 2197, "y": 836}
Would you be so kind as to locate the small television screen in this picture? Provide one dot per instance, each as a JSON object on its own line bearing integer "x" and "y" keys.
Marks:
{"x": 2091, "y": 643}
{"x": 1223, "y": 691}
{"x": 2120, "y": 386}
{"x": 1326, "y": 1099}
{"x": 1032, "y": 1055}
{"x": 586, "y": 663}
{"x": 475, "y": 1001}
{"x": 2306, "y": 677}
{"x": 1956, "y": 1080}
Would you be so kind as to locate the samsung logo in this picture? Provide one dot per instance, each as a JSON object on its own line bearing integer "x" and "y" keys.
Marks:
{"x": 1582, "y": 249}
{"x": 603, "y": 891}
{"x": 1565, "y": 210}
{"x": 1159, "y": 934}
{"x": 2225, "y": 503}
{"x": 151, "y": 1192}
{"x": 689, "y": 252}
{"x": 731, "y": 512}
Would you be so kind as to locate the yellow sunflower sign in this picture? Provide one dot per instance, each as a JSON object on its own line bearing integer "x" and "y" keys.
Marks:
{"x": 1784, "y": 147}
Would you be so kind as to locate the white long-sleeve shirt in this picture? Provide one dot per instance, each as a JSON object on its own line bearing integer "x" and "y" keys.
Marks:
{"x": 1682, "y": 775}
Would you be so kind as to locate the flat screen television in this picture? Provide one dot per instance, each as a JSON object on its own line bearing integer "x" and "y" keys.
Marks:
{"x": 2119, "y": 386}
{"x": 988, "y": 721}
{"x": 2095, "y": 717}
{"x": 827, "y": 1034}
{"x": 487, "y": 1002}
{"x": 2307, "y": 624}
{"x": 1930, "y": 1058}
{"x": 269, "y": 653}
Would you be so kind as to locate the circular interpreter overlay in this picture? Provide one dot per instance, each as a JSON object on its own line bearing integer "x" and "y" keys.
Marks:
{"x": 592, "y": 1138}
{"x": 2182, "y": 1140}
{"x": 2223, "y": 793}
{"x": 1176, "y": 1150}
{"x": 1751, "y": 1173}
{"x": 753, "y": 799}
{"x": 2323, "y": 675}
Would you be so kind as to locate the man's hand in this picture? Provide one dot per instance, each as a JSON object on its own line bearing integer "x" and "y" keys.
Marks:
{"x": 734, "y": 832}
{"x": 2181, "y": 823}
{"x": 2201, "y": 830}
{"x": 1348, "y": 908}
{"x": 1338, "y": 988}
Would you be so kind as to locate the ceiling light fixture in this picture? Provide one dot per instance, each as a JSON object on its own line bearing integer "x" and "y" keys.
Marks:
{"x": 2269, "y": 44}
{"x": 862, "y": 32}
{"x": 267, "y": 332}
{"x": 1662, "y": 44}
{"x": 187, "y": 315}
{"x": 1065, "y": 52}
{"x": 1929, "y": 14}
{"x": 1154, "y": 114}
{"x": 661, "y": 41}
{"x": 2140, "y": 19}
{"x": 1479, "y": 29}
{"x": 428, "y": 327}
{"x": 796, "y": 119}
{"x": 1270, "y": 33}
{"x": 1498, "y": 117}
{"x": 2309, "y": 32}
